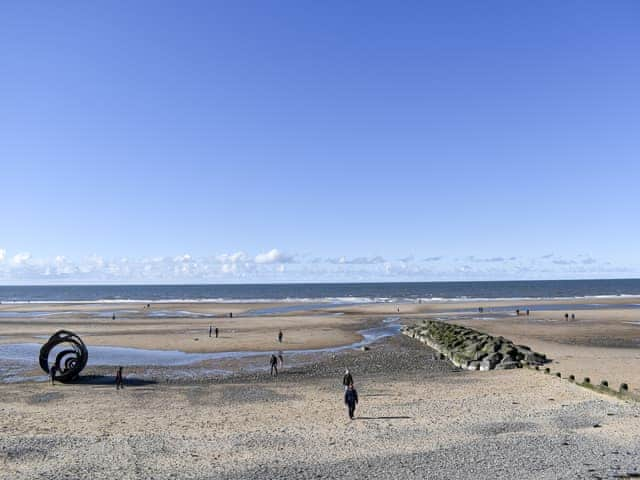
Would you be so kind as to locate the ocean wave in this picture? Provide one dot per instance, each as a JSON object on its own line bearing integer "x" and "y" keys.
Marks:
{"x": 343, "y": 300}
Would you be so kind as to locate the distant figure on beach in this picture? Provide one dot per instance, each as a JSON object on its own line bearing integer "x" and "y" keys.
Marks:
{"x": 210, "y": 330}
{"x": 230, "y": 314}
{"x": 347, "y": 379}
{"x": 280, "y": 335}
{"x": 351, "y": 400}
{"x": 281, "y": 359}
{"x": 274, "y": 365}
{"x": 52, "y": 374}
{"x": 527, "y": 312}
{"x": 566, "y": 317}
{"x": 216, "y": 332}
{"x": 518, "y": 312}
{"x": 119, "y": 379}
{"x": 148, "y": 305}
{"x": 573, "y": 316}
{"x": 480, "y": 309}
{"x": 113, "y": 317}
{"x": 397, "y": 308}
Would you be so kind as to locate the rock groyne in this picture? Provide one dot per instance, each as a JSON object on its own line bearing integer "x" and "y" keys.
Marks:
{"x": 472, "y": 350}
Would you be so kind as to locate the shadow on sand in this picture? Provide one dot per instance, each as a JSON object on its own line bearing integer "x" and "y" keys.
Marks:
{"x": 383, "y": 418}
{"x": 110, "y": 380}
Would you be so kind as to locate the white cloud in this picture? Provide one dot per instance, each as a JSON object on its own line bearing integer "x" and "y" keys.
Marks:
{"x": 562, "y": 261}
{"x": 276, "y": 266}
{"x": 3, "y": 254}
{"x": 273, "y": 256}
{"x": 21, "y": 258}
{"x": 233, "y": 257}
{"x": 356, "y": 261}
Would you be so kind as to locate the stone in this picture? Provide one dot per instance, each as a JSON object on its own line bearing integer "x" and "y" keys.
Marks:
{"x": 535, "y": 358}
{"x": 508, "y": 365}
{"x": 475, "y": 365}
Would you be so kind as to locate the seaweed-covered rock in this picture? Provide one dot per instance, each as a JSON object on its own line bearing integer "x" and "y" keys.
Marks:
{"x": 473, "y": 350}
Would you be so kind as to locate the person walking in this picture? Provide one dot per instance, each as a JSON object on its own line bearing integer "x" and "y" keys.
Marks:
{"x": 210, "y": 330}
{"x": 216, "y": 332}
{"x": 280, "y": 335}
{"x": 52, "y": 374}
{"x": 274, "y": 365}
{"x": 351, "y": 400}
{"x": 119, "y": 379}
{"x": 347, "y": 379}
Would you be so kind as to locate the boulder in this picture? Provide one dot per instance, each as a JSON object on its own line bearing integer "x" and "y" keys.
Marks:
{"x": 468, "y": 348}
{"x": 508, "y": 365}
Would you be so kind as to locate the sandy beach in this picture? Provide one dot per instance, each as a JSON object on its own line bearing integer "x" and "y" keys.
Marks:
{"x": 418, "y": 416}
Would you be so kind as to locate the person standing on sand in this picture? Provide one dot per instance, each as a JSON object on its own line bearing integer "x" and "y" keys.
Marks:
{"x": 216, "y": 332}
{"x": 52, "y": 374}
{"x": 210, "y": 329}
{"x": 351, "y": 400}
{"x": 113, "y": 317}
{"x": 347, "y": 379}
{"x": 119, "y": 379}
{"x": 274, "y": 365}
{"x": 280, "y": 335}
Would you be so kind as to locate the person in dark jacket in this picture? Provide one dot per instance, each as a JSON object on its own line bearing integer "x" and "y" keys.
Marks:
{"x": 119, "y": 379}
{"x": 347, "y": 379}
{"x": 280, "y": 335}
{"x": 274, "y": 365}
{"x": 351, "y": 400}
{"x": 217, "y": 331}
{"x": 210, "y": 330}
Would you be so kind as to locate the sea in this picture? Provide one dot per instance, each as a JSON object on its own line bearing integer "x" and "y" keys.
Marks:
{"x": 396, "y": 292}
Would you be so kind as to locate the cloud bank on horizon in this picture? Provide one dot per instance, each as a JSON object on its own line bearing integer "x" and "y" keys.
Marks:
{"x": 277, "y": 266}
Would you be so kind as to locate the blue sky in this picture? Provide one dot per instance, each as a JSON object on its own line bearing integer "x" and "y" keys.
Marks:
{"x": 318, "y": 141}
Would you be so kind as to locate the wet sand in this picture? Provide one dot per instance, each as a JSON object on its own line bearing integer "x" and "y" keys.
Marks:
{"x": 173, "y": 326}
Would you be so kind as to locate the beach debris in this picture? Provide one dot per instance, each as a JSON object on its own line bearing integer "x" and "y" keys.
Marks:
{"x": 624, "y": 387}
{"x": 69, "y": 361}
{"x": 473, "y": 350}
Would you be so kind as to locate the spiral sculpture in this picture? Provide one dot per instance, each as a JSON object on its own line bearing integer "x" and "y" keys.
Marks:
{"x": 70, "y": 361}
